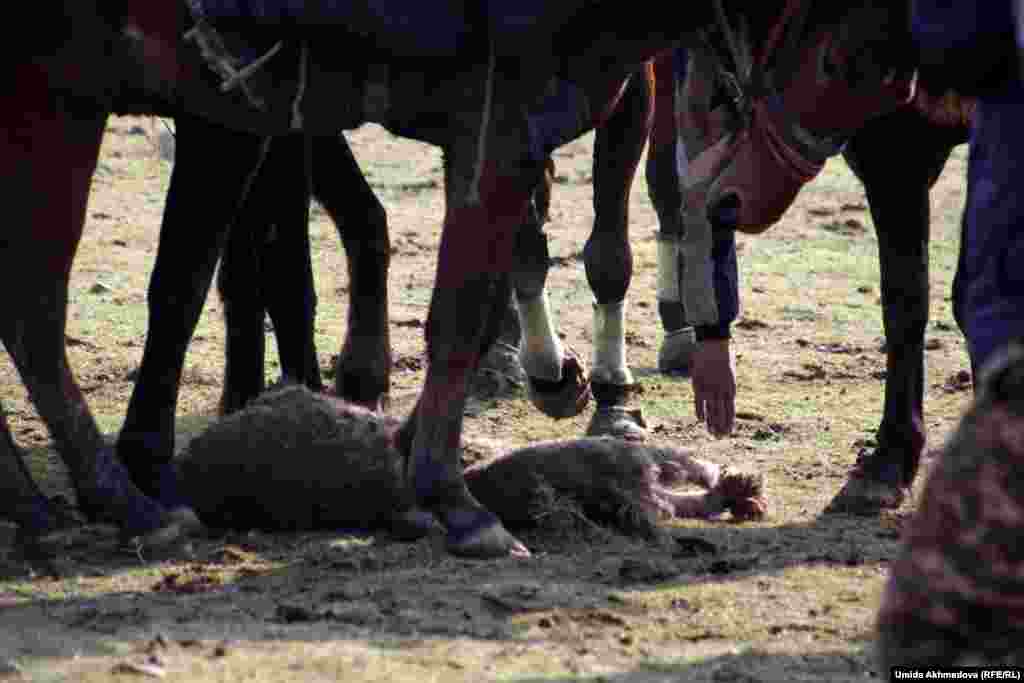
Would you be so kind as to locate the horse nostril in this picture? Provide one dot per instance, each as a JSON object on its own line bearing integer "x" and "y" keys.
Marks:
{"x": 724, "y": 213}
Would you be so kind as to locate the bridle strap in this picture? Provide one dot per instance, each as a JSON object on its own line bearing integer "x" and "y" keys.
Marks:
{"x": 751, "y": 80}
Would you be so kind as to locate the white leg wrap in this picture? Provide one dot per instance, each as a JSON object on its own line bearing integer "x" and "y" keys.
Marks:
{"x": 541, "y": 351}
{"x": 610, "y": 345}
{"x": 668, "y": 268}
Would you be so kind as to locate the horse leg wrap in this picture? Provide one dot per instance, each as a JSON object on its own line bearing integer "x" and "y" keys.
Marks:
{"x": 680, "y": 338}
{"x": 610, "y": 345}
{"x": 541, "y": 354}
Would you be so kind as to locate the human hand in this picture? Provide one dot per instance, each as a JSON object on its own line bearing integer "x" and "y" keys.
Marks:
{"x": 714, "y": 386}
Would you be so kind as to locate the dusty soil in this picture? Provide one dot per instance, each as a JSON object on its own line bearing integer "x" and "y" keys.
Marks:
{"x": 790, "y": 598}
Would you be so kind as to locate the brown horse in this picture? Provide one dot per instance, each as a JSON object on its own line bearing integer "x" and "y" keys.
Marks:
{"x": 927, "y": 127}
{"x": 134, "y": 59}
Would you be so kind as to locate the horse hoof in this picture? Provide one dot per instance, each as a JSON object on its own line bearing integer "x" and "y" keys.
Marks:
{"x": 163, "y": 483}
{"x": 676, "y": 352}
{"x": 565, "y": 398}
{"x": 487, "y": 543}
{"x": 618, "y": 422}
{"x": 867, "y": 496}
{"x": 475, "y": 532}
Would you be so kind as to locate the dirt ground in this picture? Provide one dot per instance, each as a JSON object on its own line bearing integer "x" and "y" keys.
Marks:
{"x": 792, "y": 598}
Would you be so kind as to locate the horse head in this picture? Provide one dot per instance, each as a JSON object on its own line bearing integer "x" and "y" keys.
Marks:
{"x": 774, "y": 91}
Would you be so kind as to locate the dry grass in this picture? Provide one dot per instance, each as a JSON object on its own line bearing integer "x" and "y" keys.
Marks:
{"x": 789, "y": 598}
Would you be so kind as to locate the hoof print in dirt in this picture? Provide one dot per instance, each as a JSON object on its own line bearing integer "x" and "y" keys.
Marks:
{"x": 565, "y": 398}
{"x": 295, "y": 460}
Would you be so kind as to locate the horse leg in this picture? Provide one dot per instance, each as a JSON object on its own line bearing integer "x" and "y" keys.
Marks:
{"x": 608, "y": 258}
{"x": 504, "y": 356}
{"x": 666, "y": 161}
{"x": 47, "y": 160}
{"x": 242, "y": 286}
{"x": 192, "y": 234}
{"x": 897, "y": 193}
{"x": 489, "y": 179}
{"x": 555, "y": 378}
{"x": 266, "y": 268}
{"x": 291, "y": 302}
{"x": 363, "y": 368}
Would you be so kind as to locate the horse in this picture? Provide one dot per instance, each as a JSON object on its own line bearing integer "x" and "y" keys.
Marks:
{"x": 476, "y": 104}
{"x": 929, "y": 126}
{"x": 276, "y": 199}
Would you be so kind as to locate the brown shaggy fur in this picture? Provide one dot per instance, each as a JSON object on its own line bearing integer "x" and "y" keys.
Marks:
{"x": 296, "y": 460}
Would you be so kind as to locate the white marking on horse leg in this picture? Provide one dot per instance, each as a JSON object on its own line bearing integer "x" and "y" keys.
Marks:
{"x": 668, "y": 268}
{"x": 679, "y": 344}
{"x": 473, "y": 196}
{"x": 610, "y": 344}
{"x": 541, "y": 351}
